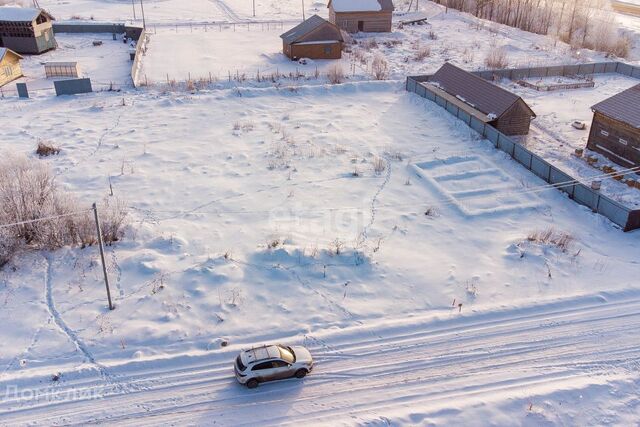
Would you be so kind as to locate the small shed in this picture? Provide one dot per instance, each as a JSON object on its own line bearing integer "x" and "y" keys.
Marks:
{"x": 61, "y": 69}
{"x": 615, "y": 130}
{"x": 26, "y": 30}
{"x": 483, "y": 100}
{"x": 314, "y": 38}
{"x": 9, "y": 66}
{"x": 367, "y": 16}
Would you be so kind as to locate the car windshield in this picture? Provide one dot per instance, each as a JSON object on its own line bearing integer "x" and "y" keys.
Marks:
{"x": 241, "y": 366}
{"x": 287, "y": 354}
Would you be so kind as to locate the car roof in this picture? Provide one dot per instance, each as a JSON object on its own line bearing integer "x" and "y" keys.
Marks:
{"x": 258, "y": 354}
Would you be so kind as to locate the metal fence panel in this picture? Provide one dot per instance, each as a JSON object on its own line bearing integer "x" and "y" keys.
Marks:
{"x": 611, "y": 67}
{"x": 614, "y": 212}
{"x": 586, "y": 69}
{"x": 505, "y": 144}
{"x": 635, "y": 72}
{"x": 571, "y": 70}
{"x": 555, "y": 71}
{"x": 540, "y": 167}
{"x": 421, "y": 90}
{"x": 538, "y": 72}
{"x": 72, "y": 87}
{"x": 441, "y": 102}
{"x": 586, "y": 196}
{"x": 633, "y": 222}
{"x": 464, "y": 116}
{"x": 563, "y": 181}
{"x": 411, "y": 84}
{"x": 452, "y": 109}
{"x": 519, "y": 74}
{"x": 624, "y": 69}
{"x": 523, "y": 156}
{"x": 477, "y": 125}
{"x": 23, "y": 92}
{"x": 491, "y": 134}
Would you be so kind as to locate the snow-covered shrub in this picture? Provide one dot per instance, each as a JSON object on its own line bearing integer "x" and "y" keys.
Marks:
{"x": 380, "y": 67}
{"x": 422, "y": 52}
{"x": 552, "y": 237}
{"x": 46, "y": 216}
{"x": 497, "y": 58}
{"x": 379, "y": 165}
{"x": 335, "y": 75}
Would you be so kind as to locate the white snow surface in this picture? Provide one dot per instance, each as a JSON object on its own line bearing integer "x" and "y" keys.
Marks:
{"x": 238, "y": 202}
{"x": 356, "y": 5}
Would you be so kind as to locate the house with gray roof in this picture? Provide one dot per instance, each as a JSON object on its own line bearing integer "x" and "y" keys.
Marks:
{"x": 366, "y": 16}
{"x": 615, "y": 130}
{"x": 483, "y": 100}
{"x": 315, "y": 38}
{"x": 26, "y": 30}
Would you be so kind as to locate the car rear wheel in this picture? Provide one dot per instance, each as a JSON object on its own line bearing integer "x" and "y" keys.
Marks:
{"x": 301, "y": 373}
{"x": 252, "y": 383}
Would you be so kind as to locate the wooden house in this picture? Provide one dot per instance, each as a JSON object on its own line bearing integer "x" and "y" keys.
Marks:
{"x": 9, "y": 66}
{"x": 615, "y": 130}
{"x": 367, "y": 16}
{"x": 26, "y": 30}
{"x": 483, "y": 100}
{"x": 314, "y": 38}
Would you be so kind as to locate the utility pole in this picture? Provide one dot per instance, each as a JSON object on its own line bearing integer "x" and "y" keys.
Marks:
{"x": 254, "y": 8}
{"x": 144, "y": 22}
{"x": 303, "y": 17}
{"x": 133, "y": 5}
{"x": 104, "y": 265}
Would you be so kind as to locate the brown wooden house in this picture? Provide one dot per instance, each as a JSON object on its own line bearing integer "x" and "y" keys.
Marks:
{"x": 314, "y": 38}
{"x": 26, "y": 30}
{"x": 9, "y": 66}
{"x": 483, "y": 100}
{"x": 367, "y": 16}
{"x": 615, "y": 130}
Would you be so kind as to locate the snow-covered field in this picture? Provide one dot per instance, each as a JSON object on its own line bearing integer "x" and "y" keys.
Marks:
{"x": 239, "y": 204}
{"x": 555, "y": 139}
{"x": 359, "y": 220}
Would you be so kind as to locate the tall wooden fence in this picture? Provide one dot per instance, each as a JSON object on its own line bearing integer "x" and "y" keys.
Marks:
{"x": 628, "y": 219}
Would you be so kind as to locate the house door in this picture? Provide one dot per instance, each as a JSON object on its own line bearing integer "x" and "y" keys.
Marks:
{"x": 360, "y": 26}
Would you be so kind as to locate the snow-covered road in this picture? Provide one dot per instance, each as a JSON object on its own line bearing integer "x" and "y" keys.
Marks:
{"x": 418, "y": 367}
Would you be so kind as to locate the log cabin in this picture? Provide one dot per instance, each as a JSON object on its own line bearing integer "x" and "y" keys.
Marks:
{"x": 366, "y": 16}
{"x": 480, "y": 98}
{"x": 615, "y": 130}
{"x": 315, "y": 38}
{"x": 26, "y": 30}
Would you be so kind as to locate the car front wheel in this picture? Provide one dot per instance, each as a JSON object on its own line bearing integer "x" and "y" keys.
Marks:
{"x": 252, "y": 383}
{"x": 301, "y": 373}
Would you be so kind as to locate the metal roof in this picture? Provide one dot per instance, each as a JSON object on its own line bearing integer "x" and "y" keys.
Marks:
{"x": 304, "y": 28}
{"x": 20, "y": 14}
{"x": 475, "y": 91}
{"x": 361, "y": 5}
{"x": 623, "y": 107}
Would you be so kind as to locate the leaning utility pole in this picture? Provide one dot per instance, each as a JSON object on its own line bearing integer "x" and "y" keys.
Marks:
{"x": 133, "y": 5}
{"x": 254, "y": 8}
{"x": 303, "y": 17}
{"x": 104, "y": 265}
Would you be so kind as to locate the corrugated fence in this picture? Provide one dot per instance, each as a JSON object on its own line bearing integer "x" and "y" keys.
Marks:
{"x": 628, "y": 219}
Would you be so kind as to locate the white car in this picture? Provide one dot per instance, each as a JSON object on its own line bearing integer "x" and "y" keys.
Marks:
{"x": 272, "y": 362}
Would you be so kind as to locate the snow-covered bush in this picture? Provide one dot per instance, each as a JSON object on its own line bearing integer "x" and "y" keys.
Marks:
{"x": 422, "y": 52}
{"x": 497, "y": 58}
{"x": 45, "y": 216}
{"x": 335, "y": 75}
{"x": 380, "y": 67}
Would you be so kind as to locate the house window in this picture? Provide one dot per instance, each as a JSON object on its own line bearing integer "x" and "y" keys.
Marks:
{"x": 8, "y": 71}
{"x": 623, "y": 141}
{"x": 604, "y": 133}
{"x": 327, "y": 50}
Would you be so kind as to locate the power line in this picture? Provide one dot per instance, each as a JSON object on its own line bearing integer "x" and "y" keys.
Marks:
{"x": 48, "y": 218}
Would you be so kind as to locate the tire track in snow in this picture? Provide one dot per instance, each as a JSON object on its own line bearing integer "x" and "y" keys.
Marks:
{"x": 226, "y": 9}
{"x": 546, "y": 348}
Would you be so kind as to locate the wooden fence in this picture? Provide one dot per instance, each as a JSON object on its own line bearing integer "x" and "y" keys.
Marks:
{"x": 628, "y": 219}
